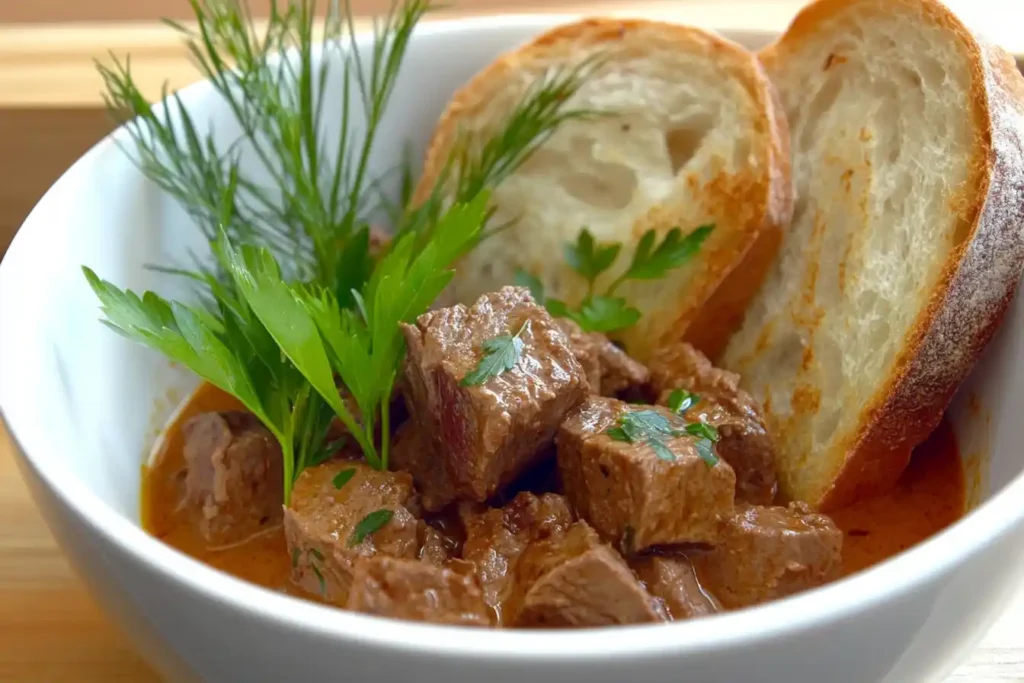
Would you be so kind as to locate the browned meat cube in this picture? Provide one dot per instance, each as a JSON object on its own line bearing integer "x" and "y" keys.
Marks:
{"x": 672, "y": 580}
{"x": 433, "y": 546}
{"x": 335, "y": 518}
{"x": 637, "y": 496}
{"x": 413, "y": 453}
{"x": 610, "y": 370}
{"x": 583, "y": 347}
{"x": 572, "y": 579}
{"x": 491, "y": 432}
{"x": 235, "y": 481}
{"x": 408, "y": 589}
{"x": 770, "y": 552}
{"x": 496, "y": 537}
{"x": 745, "y": 442}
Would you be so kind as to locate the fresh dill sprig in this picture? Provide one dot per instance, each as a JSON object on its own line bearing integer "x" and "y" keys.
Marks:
{"x": 318, "y": 193}
{"x": 294, "y": 297}
{"x": 475, "y": 163}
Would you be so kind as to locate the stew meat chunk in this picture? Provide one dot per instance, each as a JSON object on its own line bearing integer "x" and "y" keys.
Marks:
{"x": 770, "y": 552}
{"x": 495, "y": 537}
{"x": 433, "y": 546}
{"x": 610, "y": 371}
{"x": 745, "y": 443}
{"x": 335, "y": 518}
{"x": 672, "y": 580}
{"x": 409, "y": 589}
{"x": 233, "y": 482}
{"x": 633, "y": 496}
{"x": 486, "y": 434}
{"x": 571, "y": 578}
{"x": 411, "y": 452}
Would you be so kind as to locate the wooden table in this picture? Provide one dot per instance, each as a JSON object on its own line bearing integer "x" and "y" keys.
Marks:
{"x": 50, "y": 630}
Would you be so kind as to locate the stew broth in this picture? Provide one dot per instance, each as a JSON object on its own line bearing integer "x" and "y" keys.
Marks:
{"x": 929, "y": 497}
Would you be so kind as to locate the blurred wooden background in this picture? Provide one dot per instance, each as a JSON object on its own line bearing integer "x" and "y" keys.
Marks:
{"x": 50, "y": 113}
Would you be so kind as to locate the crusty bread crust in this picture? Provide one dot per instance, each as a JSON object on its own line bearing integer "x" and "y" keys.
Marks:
{"x": 980, "y": 275}
{"x": 752, "y": 206}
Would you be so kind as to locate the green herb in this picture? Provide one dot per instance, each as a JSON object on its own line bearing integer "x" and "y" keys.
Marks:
{"x": 531, "y": 282}
{"x": 651, "y": 428}
{"x": 607, "y": 312}
{"x": 707, "y": 436}
{"x": 320, "y": 578}
{"x": 295, "y": 557}
{"x": 320, "y": 338}
{"x": 317, "y": 554}
{"x": 702, "y": 430}
{"x": 230, "y": 349}
{"x": 343, "y": 477}
{"x": 648, "y": 427}
{"x": 476, "y": 164}
{"x": 590, "y": 259}
{"x": 293, "y": 296}
{"x": 500, "y": 355}
{"x": 372, "y": 523}
{"x": 652, "y": 263}
{"x": 681, "y": 400}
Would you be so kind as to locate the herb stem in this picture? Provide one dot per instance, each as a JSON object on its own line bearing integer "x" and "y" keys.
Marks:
{"x": 385, "y": 430}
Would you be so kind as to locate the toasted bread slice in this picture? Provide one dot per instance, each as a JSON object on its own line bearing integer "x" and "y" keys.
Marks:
{"x": 906, "y": 244}
{"x": 695, "y": 138}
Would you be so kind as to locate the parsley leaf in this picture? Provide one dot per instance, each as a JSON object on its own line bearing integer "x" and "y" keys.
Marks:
{"x": 500, "y": 355}
{"x": 231, "y": 349}
{"x": 320, "y": 578}
{"x": 702, "y": 430}
{"x": 343, "y": 477}
{"x": 531, "y": 282}
{"x": 706, "y": 453}
{"x": 651, "y": 263}
{"x": 588, "y": 258}
{"x": 681, "y": 400}
{"x": 607, "y": 312}
{"x": 651, "y": 428}
{"x": 648, "y": 427}
{"x": 369, "y": 524}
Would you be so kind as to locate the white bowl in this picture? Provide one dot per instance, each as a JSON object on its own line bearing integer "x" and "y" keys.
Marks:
{"x": 84, "y": 407}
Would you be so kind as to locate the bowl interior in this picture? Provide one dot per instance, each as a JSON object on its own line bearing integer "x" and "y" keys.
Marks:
{"x": 87, "y": 405}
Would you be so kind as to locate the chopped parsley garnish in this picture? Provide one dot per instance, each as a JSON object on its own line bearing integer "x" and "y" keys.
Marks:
{"x": 317, "y": 554}
{"x": 295, "y": 557}
{"x": 681, "y": 400}
{"x": 653, "y": 429}
{"x": 343, "y": 477}
{"x": 606, "y": 312}
{"x": 320, "y": 578}
{"x": 501, "y": 354}
{"x": 370, "y": 524}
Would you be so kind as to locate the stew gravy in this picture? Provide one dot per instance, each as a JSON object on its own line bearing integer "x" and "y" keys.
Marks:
{"x": 929, "y": 497}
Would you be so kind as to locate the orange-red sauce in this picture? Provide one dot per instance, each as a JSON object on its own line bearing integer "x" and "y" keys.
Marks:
{"x": 929, "y": 497}
{"x": 262, "y": 560}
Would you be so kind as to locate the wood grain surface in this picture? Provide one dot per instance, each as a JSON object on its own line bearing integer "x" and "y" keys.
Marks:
{"x": 50, "y": 629}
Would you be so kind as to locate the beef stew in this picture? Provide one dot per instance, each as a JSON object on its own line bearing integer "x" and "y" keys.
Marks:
{"x": 537, "y": 497}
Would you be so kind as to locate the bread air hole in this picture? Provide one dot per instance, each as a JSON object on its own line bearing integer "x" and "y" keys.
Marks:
{"x": 683, "y": 141}
{"x": 601, "y": 184}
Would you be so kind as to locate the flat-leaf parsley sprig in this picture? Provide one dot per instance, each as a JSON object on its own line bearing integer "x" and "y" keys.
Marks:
{"x": 607, "y": 312}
